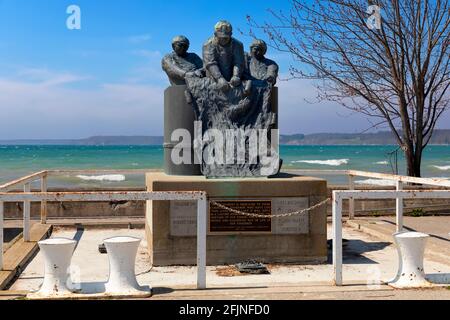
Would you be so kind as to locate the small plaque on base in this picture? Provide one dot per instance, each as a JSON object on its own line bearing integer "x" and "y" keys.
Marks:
{"x": 224, "y": 221}
{"x": 183, "y": 217}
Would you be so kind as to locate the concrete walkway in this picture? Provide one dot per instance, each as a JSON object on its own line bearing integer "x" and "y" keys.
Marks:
{"x": 438, "y": 227}
{"x": 367, "y": 259}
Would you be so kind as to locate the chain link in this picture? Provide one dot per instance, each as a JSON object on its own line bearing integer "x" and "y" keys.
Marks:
{"x": 283, "y": 215}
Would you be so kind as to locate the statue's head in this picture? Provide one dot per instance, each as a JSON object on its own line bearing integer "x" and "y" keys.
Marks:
{"x": 223, "y": 32}
{"x": 180, "y": 45}
{"x": 258, "y": 49}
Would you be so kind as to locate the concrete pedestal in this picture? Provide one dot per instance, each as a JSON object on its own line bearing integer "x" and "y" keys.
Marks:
{"x": 178, "y": 114}
{"x": 171, "y": 225}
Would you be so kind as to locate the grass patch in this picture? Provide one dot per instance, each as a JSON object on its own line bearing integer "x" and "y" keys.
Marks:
{"x": 376, "y": 214}
{"x": 419, "y": 212}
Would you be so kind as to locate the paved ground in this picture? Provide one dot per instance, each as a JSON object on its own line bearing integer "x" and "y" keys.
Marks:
{"x": 438, "y": 227}
{"x": 367, "y": 260}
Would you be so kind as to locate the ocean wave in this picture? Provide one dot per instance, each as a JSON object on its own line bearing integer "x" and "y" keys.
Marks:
{"x": 382, "y": 162}
{"x": 107, "y": 177}
{"x": 377, "y": 182}
{"x": 443, "y": 168}
{"x": 332, "y": 162}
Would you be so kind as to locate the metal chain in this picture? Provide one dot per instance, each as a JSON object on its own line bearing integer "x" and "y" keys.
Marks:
{"x": 283, "y": 215}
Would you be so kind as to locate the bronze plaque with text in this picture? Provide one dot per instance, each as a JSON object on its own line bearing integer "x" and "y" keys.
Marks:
{"x": 222, "y": 220}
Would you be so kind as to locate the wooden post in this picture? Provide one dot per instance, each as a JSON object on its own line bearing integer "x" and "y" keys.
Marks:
{"x": 351, "y": 201}
{"x": 337, "y": 239}
{"x": 201, "y": 243}
{"x": 26, "y": 214}
{"x": 399, "y": 208}
{"x": 43, "y": 202}
{"x": 1, "y": 234}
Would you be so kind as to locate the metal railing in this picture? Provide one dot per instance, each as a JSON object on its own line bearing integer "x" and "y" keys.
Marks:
{"x": 43, "y": 176}
{"x": 338, "y": 196}
{"x": 200, "y": 196}
{"x": 400, "y": 183}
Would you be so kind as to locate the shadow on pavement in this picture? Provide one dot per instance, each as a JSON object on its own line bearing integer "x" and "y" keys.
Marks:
{"x": 438, "y": 278}
{"x": 354, "y": 249}
{"x": 10, "y": 233}
{"x": 414, "y": 230}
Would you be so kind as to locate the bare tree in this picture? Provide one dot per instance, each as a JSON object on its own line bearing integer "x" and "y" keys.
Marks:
{"x": 387, "y": 59}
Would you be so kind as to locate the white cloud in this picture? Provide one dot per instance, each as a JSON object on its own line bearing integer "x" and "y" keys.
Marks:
{"x": 43, "y": 106}
{"x": 301, "y": 113}
{"x": 136, "y": 39}
{"x": 149, "y": 54}
{"x": 45, "y": 77}
{"x": 47, "y": 108}
{"x": 148, "y": 71}
{"x": 40, "y": 103}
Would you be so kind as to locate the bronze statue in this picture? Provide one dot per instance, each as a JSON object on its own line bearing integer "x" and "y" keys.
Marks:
{"x": 181, "y": 63}
{"x": 224, "y": 57}
{"x": 228, "y": 91}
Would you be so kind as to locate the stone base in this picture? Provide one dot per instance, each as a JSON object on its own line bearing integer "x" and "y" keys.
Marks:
{"x": 171, "y": 225}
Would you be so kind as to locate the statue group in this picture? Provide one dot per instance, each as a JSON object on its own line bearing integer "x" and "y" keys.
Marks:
{"x": 230, "y": 91}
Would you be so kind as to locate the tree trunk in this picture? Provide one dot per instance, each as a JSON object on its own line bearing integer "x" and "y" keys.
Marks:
{"x": 418, "y": 162}
{"x": 413, "y": 162}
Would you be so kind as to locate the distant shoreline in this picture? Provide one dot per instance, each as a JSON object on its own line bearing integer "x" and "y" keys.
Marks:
{"x": 440, "y": 137}
{"x": 161, "y": 145}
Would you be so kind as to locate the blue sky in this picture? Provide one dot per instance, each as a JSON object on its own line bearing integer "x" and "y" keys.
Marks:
{"x": 106, "y": 79}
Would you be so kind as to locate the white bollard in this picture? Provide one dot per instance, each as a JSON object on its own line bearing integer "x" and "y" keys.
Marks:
{"x": 57, "y": 253}
{"x": 122, "y": 256}
{"x": 411, "y": 248}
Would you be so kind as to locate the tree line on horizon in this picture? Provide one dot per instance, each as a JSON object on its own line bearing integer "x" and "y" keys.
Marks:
{"x": 440, "y": 137}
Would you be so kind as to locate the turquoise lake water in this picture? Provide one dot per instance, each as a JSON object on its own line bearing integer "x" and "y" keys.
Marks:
{"x": 17, "y": 161}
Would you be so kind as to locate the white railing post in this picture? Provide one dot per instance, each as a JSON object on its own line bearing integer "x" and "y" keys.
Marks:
{"x": 1, "y": 233}
{"x": 399, "y": 208}
{"x": 43, "y": 202}
{"x": 337, "y": 238}
{"x": 351, "y": 201}
{"x": 201, "y": 243}
{"x": 26, "y": 214}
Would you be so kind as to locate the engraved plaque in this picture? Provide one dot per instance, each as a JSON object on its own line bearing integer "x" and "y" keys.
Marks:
{"x": 183, "y": 218}
{"x": 296, "y": 224}
{"x": 223, "y": 221}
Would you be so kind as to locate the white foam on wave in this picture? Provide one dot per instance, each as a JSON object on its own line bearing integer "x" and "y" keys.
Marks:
{"x": 382, "y": 162}
{"x": 332, "y": 162}
{"x": 106, "y": 177}
{"x": 443, "y": 168}
{"x": 377, "y": 182}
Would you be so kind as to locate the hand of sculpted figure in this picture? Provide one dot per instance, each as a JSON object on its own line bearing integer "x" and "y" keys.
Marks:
{"x": 271, "y": 79}
{"x": 235, "y": 81}
{"x": 223, "y": 84}
{"x": 199, "y": 73}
